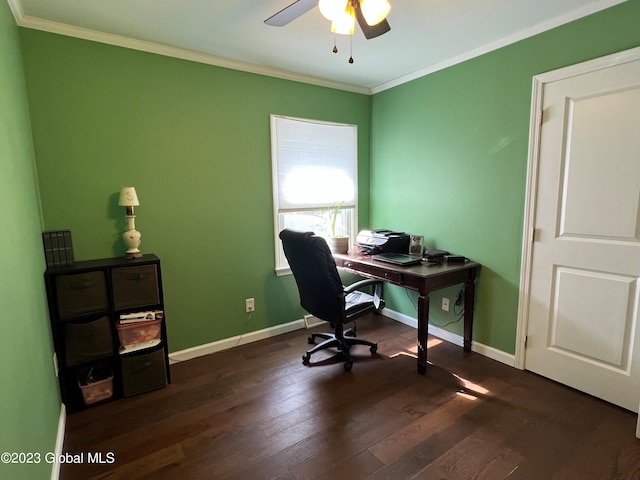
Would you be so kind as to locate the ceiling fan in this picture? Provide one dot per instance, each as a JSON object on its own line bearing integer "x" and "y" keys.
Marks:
{"x": 370, "y": 14}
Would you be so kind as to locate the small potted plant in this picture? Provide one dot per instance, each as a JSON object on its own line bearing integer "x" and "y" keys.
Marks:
{"x": 337, "y": 243}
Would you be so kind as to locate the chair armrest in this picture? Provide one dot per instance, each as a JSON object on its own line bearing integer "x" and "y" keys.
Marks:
{"x": 377, "y": 291}
{"x": 362, "y": 283}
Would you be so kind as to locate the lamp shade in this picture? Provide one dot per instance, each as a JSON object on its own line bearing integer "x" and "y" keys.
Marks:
{"x": 374, "y": 11}
{"x": 128, "y": 197}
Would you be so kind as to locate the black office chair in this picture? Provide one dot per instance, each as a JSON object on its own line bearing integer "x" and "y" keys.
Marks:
{"x": 323, "y": 295}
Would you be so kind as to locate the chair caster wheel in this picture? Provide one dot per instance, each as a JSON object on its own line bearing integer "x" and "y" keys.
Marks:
{"x": 348, "y": 366}
{"x": 311, "y": 340}
{"x": 373, "y": 349}
{"x": 305, "y": 359}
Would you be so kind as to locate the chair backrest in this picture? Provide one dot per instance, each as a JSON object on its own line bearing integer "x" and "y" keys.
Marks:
{"x": 315, "y": 272}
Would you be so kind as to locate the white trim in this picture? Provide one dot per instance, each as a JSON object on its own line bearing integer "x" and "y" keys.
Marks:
{"x": 62, "y": 421}
{"x": 401, "y": 317}
{"x": 16, "y": 9}
{"x": 151, "y": 47}
{"x": 588, "y": 66}
{"x": 225, "y": 344}
{"x": 500, "y": 43}
{"x": 539, "y": 81}
{"x": 335, "y": 142}
{"x": 485, "y": 350}
{"x": 160, "y": 49}
{"x": 528, "y": 235}
{"x": 220, "y": 345}
{"x": 494, "y": 354}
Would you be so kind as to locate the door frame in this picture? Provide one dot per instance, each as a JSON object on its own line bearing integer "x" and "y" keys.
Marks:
{"x": 528, "y": 235}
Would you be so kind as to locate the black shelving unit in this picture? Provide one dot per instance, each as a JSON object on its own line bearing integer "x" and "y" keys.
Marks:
{"x": 86, "y": 300}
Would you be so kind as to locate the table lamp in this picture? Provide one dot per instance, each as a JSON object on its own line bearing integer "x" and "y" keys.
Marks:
{"x": 131, "y": 237}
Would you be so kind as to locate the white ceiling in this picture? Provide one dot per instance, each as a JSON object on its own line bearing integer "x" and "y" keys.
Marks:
{"x": 425, "y": 35}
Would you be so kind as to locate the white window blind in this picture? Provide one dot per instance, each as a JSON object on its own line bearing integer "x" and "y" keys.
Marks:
{"x": 315, "y": 163}
{"x": 314, "y": 169}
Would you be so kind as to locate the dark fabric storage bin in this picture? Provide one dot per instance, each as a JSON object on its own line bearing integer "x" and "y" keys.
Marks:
{"x": 86, "y": 341}
{"x": 143, "y": 372}
{"x": 81, "y": 293}
{"x": 135, "y": 286}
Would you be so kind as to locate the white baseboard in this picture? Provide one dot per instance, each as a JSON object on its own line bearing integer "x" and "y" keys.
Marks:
{"x": 62, "y": 421}
{"x": 220, "y": 345}
{"x": 490, "y": 352}
{"x": 309, "y": 322}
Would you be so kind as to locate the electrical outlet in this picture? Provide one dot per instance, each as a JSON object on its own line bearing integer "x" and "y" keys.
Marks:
{"x": 445, "y": 304}
{"x": 250, "y": 305}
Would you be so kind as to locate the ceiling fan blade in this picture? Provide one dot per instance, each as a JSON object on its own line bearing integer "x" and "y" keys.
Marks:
{"x": 290, "y": 13}
{"x": 368, "y": 30}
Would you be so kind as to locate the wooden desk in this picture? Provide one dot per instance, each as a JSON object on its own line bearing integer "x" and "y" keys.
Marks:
{"x": 424, "y": 279}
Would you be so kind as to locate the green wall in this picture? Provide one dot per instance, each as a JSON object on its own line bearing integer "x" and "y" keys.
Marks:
{"x": 194, "y": 140}
{"x": 29, "y": 399}
{"x": 449, "y": 159}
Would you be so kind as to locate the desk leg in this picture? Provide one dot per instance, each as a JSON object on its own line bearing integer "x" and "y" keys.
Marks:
{"x": 423, "y": 328}
{"x": 469, "y": 303}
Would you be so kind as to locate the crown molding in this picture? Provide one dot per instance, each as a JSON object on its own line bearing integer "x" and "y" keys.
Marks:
{"x": 34, "y": 23}
{"x": 502, "y": 42}
{"x": 16, "y": 9}
{"x": 189, "y": 55}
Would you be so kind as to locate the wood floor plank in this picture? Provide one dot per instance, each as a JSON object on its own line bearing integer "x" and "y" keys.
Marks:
{"x": 481, "y": 456}
{"x": 256, "y": 412}
{"x": 143, "y": 466}
{"x": 396, "y": 445}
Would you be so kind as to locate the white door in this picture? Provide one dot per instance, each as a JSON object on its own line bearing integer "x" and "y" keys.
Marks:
{"x": 584, "y": 285}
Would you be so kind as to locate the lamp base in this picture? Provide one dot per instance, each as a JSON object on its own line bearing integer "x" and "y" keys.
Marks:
{"x": 132, "y": 242}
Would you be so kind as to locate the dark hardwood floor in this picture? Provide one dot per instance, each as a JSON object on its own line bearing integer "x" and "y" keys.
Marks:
{"x": 256, "y": 412}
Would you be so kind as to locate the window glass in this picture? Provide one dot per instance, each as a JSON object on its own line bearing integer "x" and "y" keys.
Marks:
{"x": 314, "y": 178}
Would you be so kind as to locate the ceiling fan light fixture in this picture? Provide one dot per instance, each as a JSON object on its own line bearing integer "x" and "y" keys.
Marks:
{"x": 374, "y": 11}
{"x": 345, "y": 23}
{"x": 332, "y": 9}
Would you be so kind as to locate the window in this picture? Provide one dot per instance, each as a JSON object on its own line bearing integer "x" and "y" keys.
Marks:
{"x": 314, "y": 172}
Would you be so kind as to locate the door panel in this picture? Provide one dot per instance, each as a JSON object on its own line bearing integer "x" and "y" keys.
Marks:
{"x": 577, "y": 328}
{"x": 584, "y": 292}
{"x": 596, "y": 129}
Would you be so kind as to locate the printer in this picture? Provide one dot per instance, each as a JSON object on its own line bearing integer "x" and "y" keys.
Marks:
{"x": 372, "y": 242}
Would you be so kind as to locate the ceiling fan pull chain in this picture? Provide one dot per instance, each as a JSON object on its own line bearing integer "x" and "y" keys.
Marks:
{"x": 350, "y": 48}
{"x": 335, "y": 47}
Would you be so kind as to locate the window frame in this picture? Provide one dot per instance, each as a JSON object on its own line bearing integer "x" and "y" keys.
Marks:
{"x": 349, "y": 212}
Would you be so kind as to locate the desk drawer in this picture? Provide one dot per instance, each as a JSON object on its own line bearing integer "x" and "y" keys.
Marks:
{"x": 376, "y": 272}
